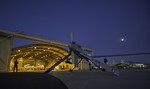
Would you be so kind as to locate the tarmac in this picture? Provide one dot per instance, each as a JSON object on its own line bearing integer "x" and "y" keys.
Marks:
{"x": 29, "y": 80}
{"x": 96, "y": 79}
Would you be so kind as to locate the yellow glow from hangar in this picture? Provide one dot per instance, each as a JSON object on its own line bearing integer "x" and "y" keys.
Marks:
{"x": 36, "y": 57}
{"x": 34, "y": 47}
{"x": 19, "y": 51}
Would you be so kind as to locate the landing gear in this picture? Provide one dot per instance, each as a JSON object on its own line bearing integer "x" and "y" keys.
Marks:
{"x": 71, "y": 70}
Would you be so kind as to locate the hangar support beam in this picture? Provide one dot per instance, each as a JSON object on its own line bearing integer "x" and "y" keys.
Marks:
{"x": 24, "y": 36}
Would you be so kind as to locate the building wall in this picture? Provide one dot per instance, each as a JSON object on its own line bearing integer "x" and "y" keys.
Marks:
{"x": 5, "y": 52}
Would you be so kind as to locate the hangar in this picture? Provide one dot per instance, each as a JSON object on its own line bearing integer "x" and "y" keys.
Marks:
{"x": 32, "y": 57}
{"x": 38, "y": 57}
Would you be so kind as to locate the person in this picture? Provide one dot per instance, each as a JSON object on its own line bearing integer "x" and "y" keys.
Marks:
{"x": 16, "y": 65}
{"x": 105, "y": 60}
{"x": 44, "y": 66}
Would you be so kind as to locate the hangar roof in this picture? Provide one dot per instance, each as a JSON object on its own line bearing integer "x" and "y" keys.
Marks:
{"x": 42, "y": 52}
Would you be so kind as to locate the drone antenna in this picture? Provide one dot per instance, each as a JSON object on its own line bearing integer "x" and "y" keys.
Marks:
{"x": 71, "y": 37}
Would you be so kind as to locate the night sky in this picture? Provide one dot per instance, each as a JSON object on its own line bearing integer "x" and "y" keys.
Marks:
{"x": 96, "y": 24}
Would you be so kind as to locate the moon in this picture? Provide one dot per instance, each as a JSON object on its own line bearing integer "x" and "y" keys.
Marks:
{"x": 122, "y": 39}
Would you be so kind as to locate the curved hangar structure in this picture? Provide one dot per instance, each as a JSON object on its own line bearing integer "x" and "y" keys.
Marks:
{"x": 38, "y": 57}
